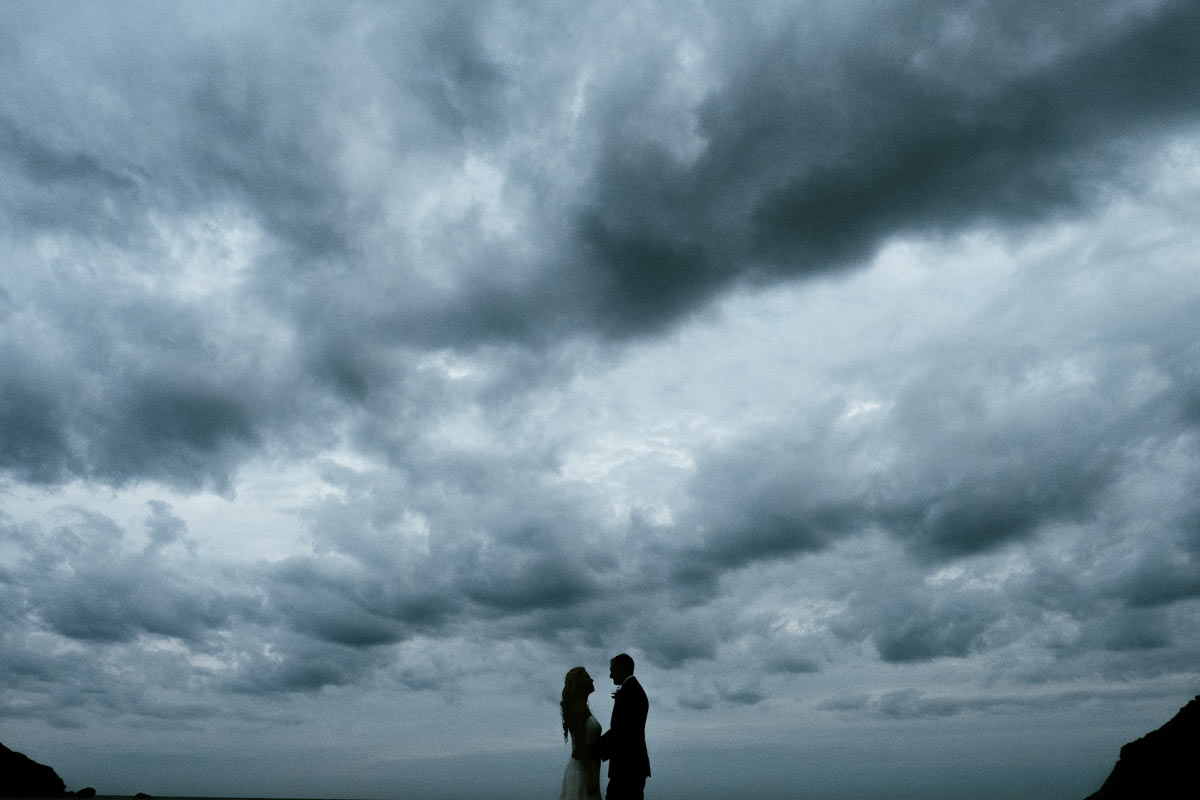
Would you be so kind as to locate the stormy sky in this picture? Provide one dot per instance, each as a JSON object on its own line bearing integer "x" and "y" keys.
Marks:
{"x": 366, "y": 366}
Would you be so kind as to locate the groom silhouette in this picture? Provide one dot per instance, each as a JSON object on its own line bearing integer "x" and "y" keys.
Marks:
{"x": 623, "y": 745}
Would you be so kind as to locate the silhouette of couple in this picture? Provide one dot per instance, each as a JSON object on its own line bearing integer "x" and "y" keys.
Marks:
{"x": 623, "y": 746}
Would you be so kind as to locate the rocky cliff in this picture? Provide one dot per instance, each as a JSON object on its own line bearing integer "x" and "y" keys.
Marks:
{"x": 21, "y": 776}
{"x": 1162, "y": 765}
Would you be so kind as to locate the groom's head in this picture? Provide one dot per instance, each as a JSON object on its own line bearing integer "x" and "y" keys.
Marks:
{"x": 620, "y": 668}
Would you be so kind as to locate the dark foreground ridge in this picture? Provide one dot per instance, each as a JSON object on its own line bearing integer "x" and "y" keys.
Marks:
{"x": 1162, "y": 765}
{"x": 21, "y": 776}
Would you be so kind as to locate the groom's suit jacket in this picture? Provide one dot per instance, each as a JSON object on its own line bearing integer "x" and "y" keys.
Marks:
{"x": 623, "y": 745}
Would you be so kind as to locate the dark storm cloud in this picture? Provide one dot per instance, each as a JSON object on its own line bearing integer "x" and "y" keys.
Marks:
{"x": 34, "y": 438}
{"x": 816, "y": 152}
{"x": 182, "y": 428}
{"x": 816, "y": 144}
{"x": 122, "y": 411}
{"x": 815, "y": 141}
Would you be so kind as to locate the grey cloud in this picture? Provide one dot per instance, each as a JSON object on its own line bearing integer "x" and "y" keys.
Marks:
{"x": 1131, "y": 629}
{"x": 184, "y": 429}
{"x": 61, "y": 187}
{"x": 24, "y": 664}
{"x": 79, "y": 582}
{"x": 512, "y": 582}
{"x": 917, "y": 704}
{"x": 329, "y": 606}
{"x": 921, "y": 704}
{"x": 453, "y": 534}
{"x": 768, "y": 499}
{"x": 373, "y": 588}
{"x": 465, "y": 89}
{"x": 143, "y": 686}
{"x": 970, "y": 457}
{"x": 1159, "y": 577}
{"x": 182, "y": 128}
{"x": 743, "y": 696}
{"x": 792, "y": 663}
{"x": 502, "y": 549}
{"x": 290, "y": 629}
{"x": 907, "y": 621}
{"x": 112, "y": 404}
{"x": 697, "y": 702}
{"x": 671, "y": 639}
{"x": 106, "y": 606}
{"x": 163, "y": 527}
{"x": 856, "y": 702}
{"x": 119, "y": 599}
{"x": 34, "y": 437}
{"x": 303, "y": 665}
{"x": 1002, "y": 496}
{"x": 923, "y": 634}
{"x": 250, "y": 143}
{"x": 910, "y": 703}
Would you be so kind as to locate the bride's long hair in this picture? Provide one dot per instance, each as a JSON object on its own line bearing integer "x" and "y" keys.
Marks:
{"x": 572, "y": 690}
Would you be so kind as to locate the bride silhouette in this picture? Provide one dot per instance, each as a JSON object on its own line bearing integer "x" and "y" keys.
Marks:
{"x": 581, "y": 781}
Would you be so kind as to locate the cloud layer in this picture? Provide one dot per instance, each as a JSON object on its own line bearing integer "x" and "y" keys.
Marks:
{"x": 836, "y": 360}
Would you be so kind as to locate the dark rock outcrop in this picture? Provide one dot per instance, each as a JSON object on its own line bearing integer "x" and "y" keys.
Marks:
{"x": 21, "y": 776}
{"x": 1162, "y": 765}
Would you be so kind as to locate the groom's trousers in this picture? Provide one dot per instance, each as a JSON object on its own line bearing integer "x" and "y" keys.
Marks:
{"x": 625, "y": 788}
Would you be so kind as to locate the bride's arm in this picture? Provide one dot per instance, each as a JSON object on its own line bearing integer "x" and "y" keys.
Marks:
{"x": 577, "y": 714}
{"x": 589, "y": 757}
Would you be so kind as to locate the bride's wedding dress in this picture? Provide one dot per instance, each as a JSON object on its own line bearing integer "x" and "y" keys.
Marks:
{"x": 574, "y": 779}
